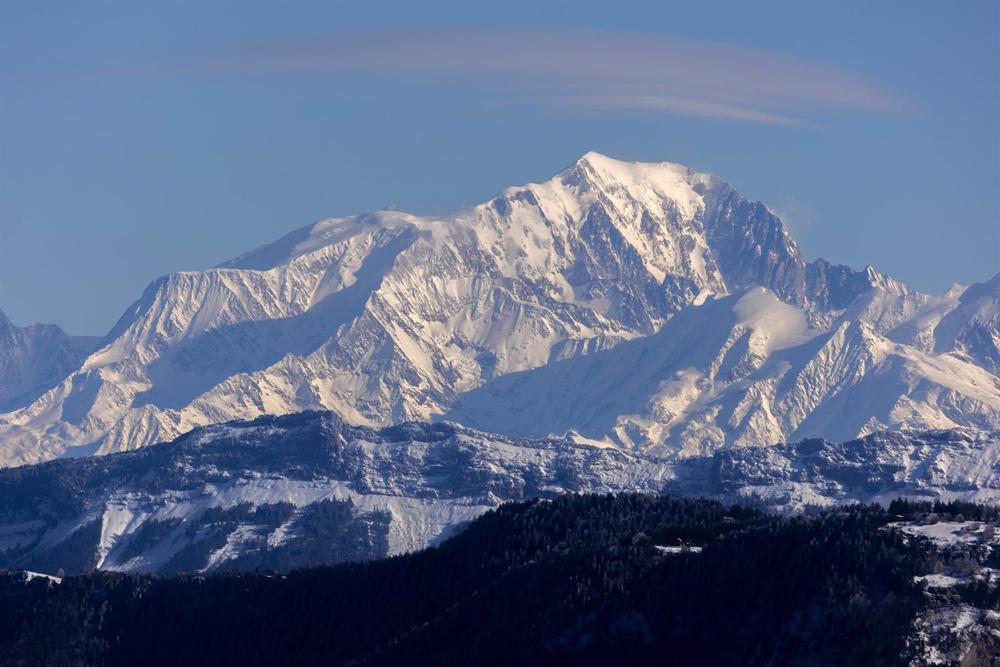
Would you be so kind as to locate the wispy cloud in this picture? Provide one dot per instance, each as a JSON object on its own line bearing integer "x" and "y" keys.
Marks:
{"x": 582, "y": 69}
{"x": 683, "y": 106}
{"x": 589, "y": 69}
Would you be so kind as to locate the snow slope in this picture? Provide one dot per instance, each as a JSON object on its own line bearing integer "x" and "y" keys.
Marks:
{"x": 972, "y": 328}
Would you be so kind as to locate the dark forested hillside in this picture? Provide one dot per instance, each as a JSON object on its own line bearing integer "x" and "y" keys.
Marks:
{"x": 579, "y": 579}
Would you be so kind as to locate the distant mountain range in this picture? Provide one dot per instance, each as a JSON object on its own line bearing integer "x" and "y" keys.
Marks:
{"x": 645, "y": 307}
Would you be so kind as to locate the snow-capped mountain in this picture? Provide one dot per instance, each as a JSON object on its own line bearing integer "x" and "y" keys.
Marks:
{"x": 282, "y": 492}
{"x": 34, "y": 358}
{"x": 972, "y": 329}
{"x": 388, "y": 316}
{"x": 744, "y": 369}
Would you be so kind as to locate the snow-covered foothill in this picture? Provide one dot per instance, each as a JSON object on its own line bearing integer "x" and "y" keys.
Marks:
{"x": 280, "y": 492}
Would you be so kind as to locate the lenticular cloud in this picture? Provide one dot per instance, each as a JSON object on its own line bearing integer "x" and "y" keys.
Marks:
{"x": 591, "y": 69}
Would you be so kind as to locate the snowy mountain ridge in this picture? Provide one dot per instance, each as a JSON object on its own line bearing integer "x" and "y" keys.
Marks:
{"x": 34, "y": 358}
{"x": 387, "y": 316}
{"x": 744, "y": 369}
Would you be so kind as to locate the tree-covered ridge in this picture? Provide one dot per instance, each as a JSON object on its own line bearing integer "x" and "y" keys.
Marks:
{"x": 577, "y": 579}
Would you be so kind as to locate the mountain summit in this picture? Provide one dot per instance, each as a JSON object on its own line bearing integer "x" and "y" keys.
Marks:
{"x": 656, "y": 307}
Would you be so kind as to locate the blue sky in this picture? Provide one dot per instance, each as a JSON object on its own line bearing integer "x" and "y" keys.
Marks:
{"x": 142, "y": 138}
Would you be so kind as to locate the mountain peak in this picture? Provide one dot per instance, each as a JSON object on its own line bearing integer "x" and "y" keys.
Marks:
{"x": 879, "y": 280}
{"x": 604, "y": 162}
{"x": 647, "y": 183}
{"x": 611, "y": 168}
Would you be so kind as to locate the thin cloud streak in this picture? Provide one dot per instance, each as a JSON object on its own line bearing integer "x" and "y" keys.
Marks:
{"x": 588, "y": 69}
{"x": 680, "y": 106}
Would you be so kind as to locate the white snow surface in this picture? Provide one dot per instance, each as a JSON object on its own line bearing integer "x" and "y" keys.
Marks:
{"x": 946, "y": 533}
{"x": 29, "y": 576}
{"x": 677, "y": 550}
